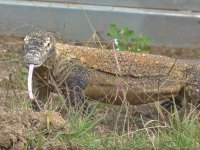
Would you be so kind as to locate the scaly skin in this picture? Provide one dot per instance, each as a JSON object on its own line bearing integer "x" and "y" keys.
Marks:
{"x": 116, "y": 77}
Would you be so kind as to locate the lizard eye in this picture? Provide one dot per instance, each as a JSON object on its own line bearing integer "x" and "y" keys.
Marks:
{"x": 47, "y": 43}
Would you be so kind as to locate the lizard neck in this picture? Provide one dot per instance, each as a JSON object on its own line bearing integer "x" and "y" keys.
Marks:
{"x": 51, "y": 59}
{"x": 42, "y": 74}
{"x": 44, "y": 71}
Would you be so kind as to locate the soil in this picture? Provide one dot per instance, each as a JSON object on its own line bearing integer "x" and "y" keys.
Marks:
{"x": 19, "y": 124}
{"x": 176, "y": 52}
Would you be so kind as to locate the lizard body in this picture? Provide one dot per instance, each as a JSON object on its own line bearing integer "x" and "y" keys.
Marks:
{"x": 109, "y": 76}
{"x": 141, "y": 76}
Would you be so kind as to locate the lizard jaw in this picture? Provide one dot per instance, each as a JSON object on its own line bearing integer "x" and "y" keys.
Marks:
{"x": 33, "y": 57}
{"x": 35, "y": 65}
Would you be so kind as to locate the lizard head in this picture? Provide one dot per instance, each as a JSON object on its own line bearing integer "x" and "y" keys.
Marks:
{"x": 38, "y": 48}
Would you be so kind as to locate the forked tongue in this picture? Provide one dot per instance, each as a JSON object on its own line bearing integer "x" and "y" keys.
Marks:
{"x": 30, "y": 75}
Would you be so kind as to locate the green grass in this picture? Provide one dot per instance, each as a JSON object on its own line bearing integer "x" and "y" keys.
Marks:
{"x": 183, "y": 132}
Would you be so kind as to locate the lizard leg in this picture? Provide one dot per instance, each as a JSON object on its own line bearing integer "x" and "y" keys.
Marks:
{"x": 42, "y": 97}
{"x": 76, "y": 83}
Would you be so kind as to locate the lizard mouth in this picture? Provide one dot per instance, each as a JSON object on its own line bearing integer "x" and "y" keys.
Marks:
{"x": 33, "y": 57}
{"x": 35, "y": 65}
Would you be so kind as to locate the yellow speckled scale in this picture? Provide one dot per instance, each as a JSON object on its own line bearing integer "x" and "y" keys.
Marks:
{"x": 120, "y": 63}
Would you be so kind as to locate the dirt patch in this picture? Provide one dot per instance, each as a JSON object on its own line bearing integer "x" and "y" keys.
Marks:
{"x": 11, "y": 43}
{"x": 16, "y": 126}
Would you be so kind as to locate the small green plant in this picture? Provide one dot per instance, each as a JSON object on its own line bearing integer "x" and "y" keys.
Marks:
{"x": 126, "y": 39}
{"x": 24, "y": 72}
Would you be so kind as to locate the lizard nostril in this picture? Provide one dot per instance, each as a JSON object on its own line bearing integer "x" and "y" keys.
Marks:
{"x": 29, "y": 56}
{"x": 36, "y": 55}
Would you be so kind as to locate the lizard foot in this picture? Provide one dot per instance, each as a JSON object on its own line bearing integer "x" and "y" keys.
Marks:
{"x": 37, "y": 105}
{"x": 167, "y": 104}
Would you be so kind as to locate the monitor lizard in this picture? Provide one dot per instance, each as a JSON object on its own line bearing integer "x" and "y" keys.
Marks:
{"x": 108, "y": 76}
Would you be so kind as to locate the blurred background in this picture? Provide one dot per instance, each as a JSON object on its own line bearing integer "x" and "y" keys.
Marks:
{"x": 173, "y": 23}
